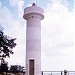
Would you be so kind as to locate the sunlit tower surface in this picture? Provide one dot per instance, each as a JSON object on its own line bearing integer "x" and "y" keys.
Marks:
{"x": 33, "y": 15}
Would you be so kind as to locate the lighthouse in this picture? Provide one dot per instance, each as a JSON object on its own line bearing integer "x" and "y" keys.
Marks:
{"x": 33, "y": 15}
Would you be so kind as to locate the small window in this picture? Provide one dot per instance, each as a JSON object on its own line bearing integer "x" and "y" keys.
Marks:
{"x": 32, "y": 16}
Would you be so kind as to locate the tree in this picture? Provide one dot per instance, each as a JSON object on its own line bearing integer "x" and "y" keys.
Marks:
{"x": 3, "y": 66}
{"x": 17, "y": 68}
{"x": 6, "y": 46}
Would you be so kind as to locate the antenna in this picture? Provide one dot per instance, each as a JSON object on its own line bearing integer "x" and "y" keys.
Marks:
{"x": 36, "y": 2}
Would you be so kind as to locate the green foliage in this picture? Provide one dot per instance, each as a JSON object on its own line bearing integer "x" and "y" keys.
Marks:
{"x": 17, "y": 68}
{"x": 6, "y": 45}
{"x": 3, "y": 66}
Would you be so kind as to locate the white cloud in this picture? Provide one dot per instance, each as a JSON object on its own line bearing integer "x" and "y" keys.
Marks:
{"x": 58, "y": 35}
{"x": 64, "y": 2}
{"x": 19, "y": 4}
{"x": 20, "y": 8}
{"x": 13, "y": 2}
{"x": 15, "y": 29}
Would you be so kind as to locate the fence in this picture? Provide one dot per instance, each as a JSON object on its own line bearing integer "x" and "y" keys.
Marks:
{"x": 45, "y": 73}
{"x": 58, "y": 73}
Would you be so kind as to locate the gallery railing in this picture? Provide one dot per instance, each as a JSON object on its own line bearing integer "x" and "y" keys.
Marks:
{"x": 58, "y": 73}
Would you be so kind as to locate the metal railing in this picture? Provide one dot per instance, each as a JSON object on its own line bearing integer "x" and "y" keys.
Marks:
{"x": 58, "y": 73}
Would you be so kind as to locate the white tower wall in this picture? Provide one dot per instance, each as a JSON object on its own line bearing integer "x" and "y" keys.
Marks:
{"x": 33, "y": 15}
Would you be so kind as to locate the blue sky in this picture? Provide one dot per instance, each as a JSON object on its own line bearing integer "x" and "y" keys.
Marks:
{"x": 57, "y": 28}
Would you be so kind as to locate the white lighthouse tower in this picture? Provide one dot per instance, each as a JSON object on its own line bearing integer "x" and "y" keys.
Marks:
{"x": 33, "y": 15}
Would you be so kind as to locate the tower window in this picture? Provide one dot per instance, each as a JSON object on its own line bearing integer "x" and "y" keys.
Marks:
{"x": 32, "y": 16}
